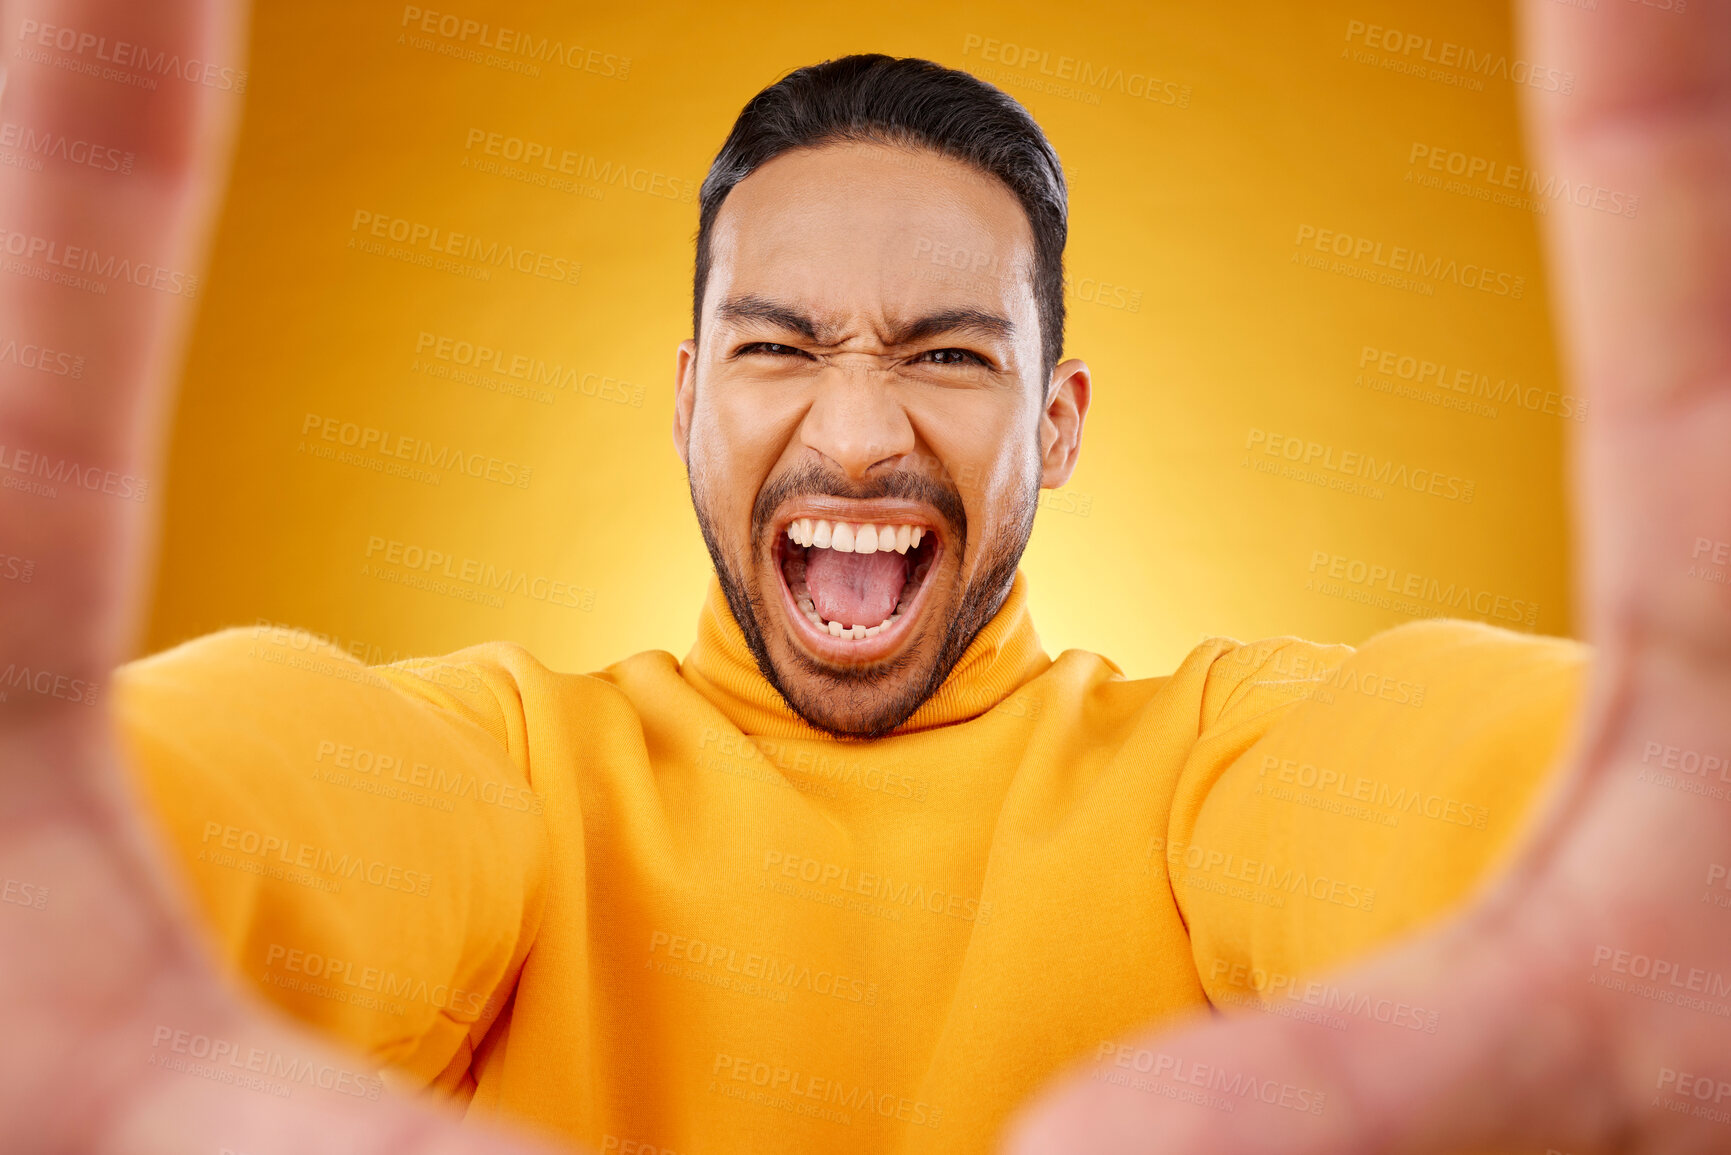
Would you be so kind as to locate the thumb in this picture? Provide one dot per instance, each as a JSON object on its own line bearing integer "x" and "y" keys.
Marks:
{"x": 1508, "y": 1035}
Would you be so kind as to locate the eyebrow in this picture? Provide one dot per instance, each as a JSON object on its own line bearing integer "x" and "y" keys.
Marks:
{"x": 751, "y": 307}
{"x": 976, "y": 321}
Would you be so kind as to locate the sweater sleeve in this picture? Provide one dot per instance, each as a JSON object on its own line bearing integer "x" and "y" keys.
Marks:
{"x": 363, "y": 841}
{"x": 1391, "y": 782}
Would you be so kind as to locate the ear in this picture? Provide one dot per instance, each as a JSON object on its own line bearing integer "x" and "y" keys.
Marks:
{"x": 1067, "y": 401}
{"x": 684, "y": 395}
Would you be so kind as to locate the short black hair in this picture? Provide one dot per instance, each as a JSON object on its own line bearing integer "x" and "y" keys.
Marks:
{"x": 904, "y": 101}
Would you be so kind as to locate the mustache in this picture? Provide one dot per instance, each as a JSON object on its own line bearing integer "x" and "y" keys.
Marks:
{"x": 813, "y": 480}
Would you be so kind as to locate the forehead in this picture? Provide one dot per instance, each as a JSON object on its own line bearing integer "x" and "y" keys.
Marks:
{"x": 855, "y": 228}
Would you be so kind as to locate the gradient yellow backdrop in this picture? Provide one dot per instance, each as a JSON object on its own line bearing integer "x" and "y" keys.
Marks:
{"x": 537, "y": 165}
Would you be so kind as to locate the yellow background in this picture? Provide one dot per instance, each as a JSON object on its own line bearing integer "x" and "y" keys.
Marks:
{"x": 1191, "y": 210}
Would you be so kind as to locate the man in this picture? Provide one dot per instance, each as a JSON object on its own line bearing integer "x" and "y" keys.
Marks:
{"x": 868, "y": 868}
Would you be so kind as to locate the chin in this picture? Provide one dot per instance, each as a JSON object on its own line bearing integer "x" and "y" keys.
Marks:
{"x": 858, "y": 702}
{"x": 856, "y": 609}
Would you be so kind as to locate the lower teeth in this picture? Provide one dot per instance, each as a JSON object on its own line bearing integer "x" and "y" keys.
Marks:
{"x": 802, "y": 596}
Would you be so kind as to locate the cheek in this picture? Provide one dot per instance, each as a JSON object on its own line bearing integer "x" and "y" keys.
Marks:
{"x": 994, "y": 470}
{"x": 1006, "y": 493}
{"x": 732, "y": 451}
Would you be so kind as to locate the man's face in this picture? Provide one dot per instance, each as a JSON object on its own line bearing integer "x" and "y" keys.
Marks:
{"x": 865, "y": 422}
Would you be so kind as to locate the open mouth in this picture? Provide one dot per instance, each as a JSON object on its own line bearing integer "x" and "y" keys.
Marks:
{"x": 854, "y": 588}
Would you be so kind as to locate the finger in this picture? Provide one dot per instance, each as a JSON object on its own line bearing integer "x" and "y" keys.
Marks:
{"x": 1256, "y": 1084}
{"x": 1644, "y": 314}
{"x": 97, "y": 268}
{"x": 1643, "y": 305}
{"x": 120, "y": 1040}
{"x": 217, "y": 1078}
{"x": 1521, "y": 1056}
{"x": 268, "y": 1091}
{"x": 1642, "y": 295}
{"x": 71, "y": 452}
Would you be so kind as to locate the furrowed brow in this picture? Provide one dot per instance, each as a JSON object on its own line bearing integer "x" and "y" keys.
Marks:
{"x": 751, "y": 307}
{"x": 972, "y": 321}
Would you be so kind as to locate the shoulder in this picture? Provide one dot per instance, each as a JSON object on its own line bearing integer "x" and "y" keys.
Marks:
{"x": 250, "y": 670}
{"x": 1402, "y": 665}
{"x": 1447, "y": 658}
{"x": 1248, "y": 679}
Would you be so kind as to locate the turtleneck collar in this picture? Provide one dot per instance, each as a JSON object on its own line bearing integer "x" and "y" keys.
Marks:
{"x": 1002, "y": 658}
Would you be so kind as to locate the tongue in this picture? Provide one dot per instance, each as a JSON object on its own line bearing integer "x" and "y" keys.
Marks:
{"x": 855, "y": 589}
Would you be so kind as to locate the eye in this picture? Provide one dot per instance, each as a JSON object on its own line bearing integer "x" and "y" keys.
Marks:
{"x": 951, "y": 357}
{"x": 769, "y": 348}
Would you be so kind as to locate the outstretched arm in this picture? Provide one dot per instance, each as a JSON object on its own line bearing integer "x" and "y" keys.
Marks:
{"x": 1575, "y": 997}
{"x": 120, "y": 1038}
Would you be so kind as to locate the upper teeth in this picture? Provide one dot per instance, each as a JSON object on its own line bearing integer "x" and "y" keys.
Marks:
{"x": 854, "y": 537}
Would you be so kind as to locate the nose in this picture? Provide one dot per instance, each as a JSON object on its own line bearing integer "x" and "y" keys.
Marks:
{"x": 856, "y": 420}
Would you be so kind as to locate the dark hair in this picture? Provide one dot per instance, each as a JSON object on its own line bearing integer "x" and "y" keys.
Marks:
{"x": 904, "y": 101}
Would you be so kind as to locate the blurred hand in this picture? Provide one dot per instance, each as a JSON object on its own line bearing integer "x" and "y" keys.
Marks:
{"x": 120, "y": 1039}
{"x": 1535, "y": 1053}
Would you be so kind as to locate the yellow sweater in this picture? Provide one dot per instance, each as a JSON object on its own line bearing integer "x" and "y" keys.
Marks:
{"x": 650, "y": 910}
